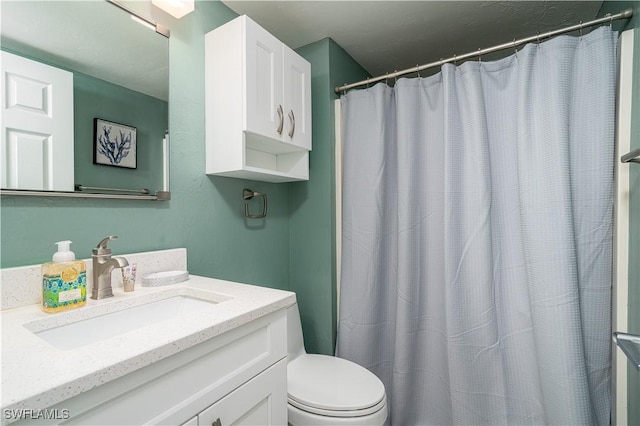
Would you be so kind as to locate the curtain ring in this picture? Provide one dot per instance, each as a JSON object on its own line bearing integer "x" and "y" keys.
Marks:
{"x": 538, "y": 38}
{"x": 455, "y": 59}
{"x": 515, "y": 47}
{"x": 395, "y": 77}
{"x": 367, "y": 82}
{"x": 610, "y": 19}
{"x": 418, "y": 70}
{"x": 479, "y": 54}
{"x": 386, "y": 78}
{"x": 580, "y": 29}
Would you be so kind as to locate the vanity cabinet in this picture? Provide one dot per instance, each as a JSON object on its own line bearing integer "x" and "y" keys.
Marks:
{"x": 238, "y": 377}
{"x": 258, "y": 105}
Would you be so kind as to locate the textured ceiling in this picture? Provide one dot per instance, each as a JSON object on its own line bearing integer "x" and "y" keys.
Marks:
{"x": 384, "y": 36}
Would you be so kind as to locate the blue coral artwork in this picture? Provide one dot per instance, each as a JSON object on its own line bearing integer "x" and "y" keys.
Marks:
{"x": 114, "y": 144}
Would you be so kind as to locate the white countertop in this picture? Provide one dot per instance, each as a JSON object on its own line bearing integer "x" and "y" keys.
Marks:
{"x": 36, "y": 375}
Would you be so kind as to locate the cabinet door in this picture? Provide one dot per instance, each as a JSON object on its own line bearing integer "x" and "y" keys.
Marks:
{"x": 37, "y": 125}
{"x": 264, "y": 108}
{"x": 260, "y": 401}
{"x": 297, "y": 99}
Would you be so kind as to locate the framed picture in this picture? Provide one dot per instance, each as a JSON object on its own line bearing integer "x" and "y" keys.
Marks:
{"x": 114, "y": 144}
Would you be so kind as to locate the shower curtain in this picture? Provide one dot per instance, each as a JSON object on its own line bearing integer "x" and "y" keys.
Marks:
{"x": 477, "y": 237}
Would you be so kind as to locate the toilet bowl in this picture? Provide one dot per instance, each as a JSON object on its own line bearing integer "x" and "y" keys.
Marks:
{"x": 326, "y": 390}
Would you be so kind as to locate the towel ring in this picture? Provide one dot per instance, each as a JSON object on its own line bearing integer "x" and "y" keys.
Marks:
{"x": 248, "y": 194}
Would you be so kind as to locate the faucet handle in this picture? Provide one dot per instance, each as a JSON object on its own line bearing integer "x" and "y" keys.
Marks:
{"x": 102, "y": 245}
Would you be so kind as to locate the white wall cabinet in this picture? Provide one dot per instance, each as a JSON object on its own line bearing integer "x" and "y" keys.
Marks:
{"x": 238, "y": 377}
{"x": 258, "y": 105}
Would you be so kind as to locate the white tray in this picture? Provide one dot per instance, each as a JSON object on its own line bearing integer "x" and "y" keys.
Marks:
{"x": 164, "y": 278}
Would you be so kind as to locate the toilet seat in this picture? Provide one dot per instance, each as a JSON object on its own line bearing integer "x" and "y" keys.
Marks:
{"x": 334, "y": 413}
{"x": 333, "y": 387}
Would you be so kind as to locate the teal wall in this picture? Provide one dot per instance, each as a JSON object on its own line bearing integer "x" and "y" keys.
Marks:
{"x": 633, "y": 376}
{"x": 205, "y": 213}
{"x": 97, "y": 98}
{"x": 312, "y": 203}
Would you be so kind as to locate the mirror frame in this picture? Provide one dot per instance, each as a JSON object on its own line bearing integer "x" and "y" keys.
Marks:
{"x": 142, "y": 194}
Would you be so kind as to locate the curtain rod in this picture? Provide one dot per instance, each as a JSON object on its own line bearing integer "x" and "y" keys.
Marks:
{"x": 628, "y": 13}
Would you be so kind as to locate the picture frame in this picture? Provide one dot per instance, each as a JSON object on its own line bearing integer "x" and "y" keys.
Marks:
{"x": 114, "y": 144}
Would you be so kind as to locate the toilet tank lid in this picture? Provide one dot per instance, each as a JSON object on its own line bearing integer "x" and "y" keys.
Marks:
{"x": 332, "y": 383}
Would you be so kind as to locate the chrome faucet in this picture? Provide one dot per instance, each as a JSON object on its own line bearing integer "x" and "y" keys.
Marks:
{"x": 103, "y": 264}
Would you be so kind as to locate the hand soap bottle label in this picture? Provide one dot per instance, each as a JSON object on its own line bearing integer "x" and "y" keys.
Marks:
{"x": 68, "y": 288}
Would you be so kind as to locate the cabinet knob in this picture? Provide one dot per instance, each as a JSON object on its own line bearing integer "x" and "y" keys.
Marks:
{"x": 217, "y": 422}
{"x": 281, "y": 115}
{"x": 293, "y": 123}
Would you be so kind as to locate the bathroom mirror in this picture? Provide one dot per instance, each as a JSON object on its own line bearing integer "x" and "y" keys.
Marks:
{"x": 120, "y": 67}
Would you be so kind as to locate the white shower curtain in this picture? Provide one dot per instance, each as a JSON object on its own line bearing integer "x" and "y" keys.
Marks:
{"x": 477, "y": 237}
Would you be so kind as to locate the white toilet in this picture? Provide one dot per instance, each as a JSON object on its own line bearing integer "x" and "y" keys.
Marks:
{"x": 326, "y": 390}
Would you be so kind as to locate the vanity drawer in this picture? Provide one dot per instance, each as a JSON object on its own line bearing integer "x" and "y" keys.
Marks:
{"x": 173, "y": 390}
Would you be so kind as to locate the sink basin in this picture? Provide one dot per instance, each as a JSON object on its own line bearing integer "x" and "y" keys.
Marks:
{"x": 91, "y": 330}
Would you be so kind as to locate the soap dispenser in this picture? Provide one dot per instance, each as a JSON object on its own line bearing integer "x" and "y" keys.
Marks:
{"x": 64, "y": 281}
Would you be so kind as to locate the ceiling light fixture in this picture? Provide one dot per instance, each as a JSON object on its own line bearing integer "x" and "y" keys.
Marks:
{"x": 175, "y": 8}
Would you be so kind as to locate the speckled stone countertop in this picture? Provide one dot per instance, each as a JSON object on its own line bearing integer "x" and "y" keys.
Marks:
{"x": 36, "y": 375}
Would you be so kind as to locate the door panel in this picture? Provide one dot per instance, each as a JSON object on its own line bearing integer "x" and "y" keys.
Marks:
{"x": 297, "y": 99}
{"x": 263, "y": 81}
{"x": 260, "y": 401}
{"x": 37, "y": 125}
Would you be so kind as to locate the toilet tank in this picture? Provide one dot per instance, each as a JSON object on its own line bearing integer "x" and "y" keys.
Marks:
{"x": 295, "y": 341}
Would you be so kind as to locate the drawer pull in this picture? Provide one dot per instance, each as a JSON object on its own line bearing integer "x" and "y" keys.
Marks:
{"x": 293, "y": 123}
{"x": 281, "y": 115}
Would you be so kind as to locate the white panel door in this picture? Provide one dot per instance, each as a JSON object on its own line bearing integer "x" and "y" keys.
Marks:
{"x": 297, "y": 99}
{"x": 264, "y": 108}
{"x": 37, "y": 125}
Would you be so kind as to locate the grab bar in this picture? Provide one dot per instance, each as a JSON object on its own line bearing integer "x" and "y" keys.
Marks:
{"x": 630, "y": 345}
{"x": 632, "y": 157}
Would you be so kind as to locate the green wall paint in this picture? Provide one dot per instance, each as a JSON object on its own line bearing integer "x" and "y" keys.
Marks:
{"x": 205, "y": 213}
{"x": 633, "y": 375}
{"x": 97, "y": 98}
{"x": 312, "y": 203}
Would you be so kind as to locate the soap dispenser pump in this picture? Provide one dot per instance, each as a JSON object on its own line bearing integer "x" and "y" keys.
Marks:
{"x": 64, "y": 281}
